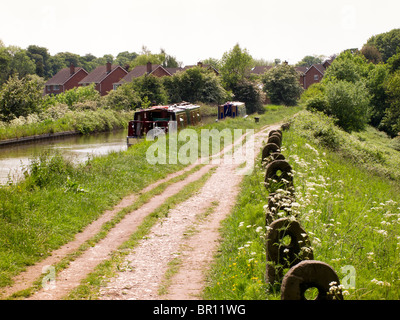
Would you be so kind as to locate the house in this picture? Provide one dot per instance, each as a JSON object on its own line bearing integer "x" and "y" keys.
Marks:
{"x": 104, "y": 77}
{"x": 65, "y": 79}
{"x": 202, "y": 65}
{"x": 260, "y": 70}
{"x": 314, "y": 74}
{"x": 149, "y": 69}
{"x": 302, "y": 75}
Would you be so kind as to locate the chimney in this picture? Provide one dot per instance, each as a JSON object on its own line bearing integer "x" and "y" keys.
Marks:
{"x": 149, "y": 67}
{"x": 200, "y": 64}
{"x": 71, "y": 69}
{"x": 108, "y": 67}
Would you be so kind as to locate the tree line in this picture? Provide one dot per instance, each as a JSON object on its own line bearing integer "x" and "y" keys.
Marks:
{"x": 362, "y": 86}
{"x": 36, "y": 60}
{"x": 21, "y": 90}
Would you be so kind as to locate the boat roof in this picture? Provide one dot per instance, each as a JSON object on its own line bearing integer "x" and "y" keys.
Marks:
{"x": 173, "y": 107}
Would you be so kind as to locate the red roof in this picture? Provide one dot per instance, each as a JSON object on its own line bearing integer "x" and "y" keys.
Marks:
{"x": 139, "y": 71}
{"x": 99, "y": 74}
{"x": 260, "y": 69}
{"x": 63, "y": 76}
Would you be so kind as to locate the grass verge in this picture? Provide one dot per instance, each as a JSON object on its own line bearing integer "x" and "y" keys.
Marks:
{"x": 349, "y": 207}
{"x": 58, "y": 200}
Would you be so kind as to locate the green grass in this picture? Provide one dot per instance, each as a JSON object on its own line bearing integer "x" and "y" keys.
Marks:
{"x": 58, "y": 199}
{"x": 85, "y": 122}
{"x": 349, "y": 207}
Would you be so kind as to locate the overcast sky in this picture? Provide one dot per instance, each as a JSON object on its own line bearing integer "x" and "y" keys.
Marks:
{"x": 194, "y": 30}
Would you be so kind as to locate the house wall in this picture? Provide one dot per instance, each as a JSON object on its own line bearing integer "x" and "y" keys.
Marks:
{"x": 309, "y": 77}
{"x": 52, "y": 89}
{"x": 159, "y": 72}
{"x": 74, "y": 81}
{"x": 107, "y": 84}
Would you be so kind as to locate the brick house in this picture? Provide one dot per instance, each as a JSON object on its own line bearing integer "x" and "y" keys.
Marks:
{"x": 202, "y": 65}
{"x": 149, "y": 69}
{"x": 104, "y": 77}
{"x": 260, "y": 70}
{"x": 314, "y": 74}
{"x": 65, "y": 79}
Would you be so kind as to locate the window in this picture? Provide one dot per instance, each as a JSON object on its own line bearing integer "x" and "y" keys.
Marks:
{"x": 316, "y": 78}
{"x": 56, "y": 87}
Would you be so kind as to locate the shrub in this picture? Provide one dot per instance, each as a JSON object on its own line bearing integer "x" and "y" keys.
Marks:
{"x": 124, "y": 98}
{"x": 391, "y": 120}
{"x": 248, "y": 92}
{"x": 47, "y": 168}
{"x": 150, "y": 87}
{"x": 79, "y": 94}
{"x": 282, "y": 86}
{"x": 349, "y": 103}
{"x": 314, "y": 98}
{"x": 196, "y": 85}
{"x": 20, "y": 97}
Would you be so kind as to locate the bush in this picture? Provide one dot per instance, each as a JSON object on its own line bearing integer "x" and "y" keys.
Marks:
{"x": 314, "y": 98}
{"x": 150, "y": 87}
{"x": 20, "y": 97}
{"x": 248, "y": 92}
{"x": 391, "y": 120}
{"x": 79, "y": 94}
{"x": 281, "y": 84}
{"x": 349, "y": 103}
{"x": 196, "y": 85}
{"x": 124, "y": 98}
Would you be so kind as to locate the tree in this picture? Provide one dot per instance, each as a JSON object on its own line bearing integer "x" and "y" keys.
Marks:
{"x": 20, "y": 64}
{"x": 371, "y": 53}
{"x": 196, "y": 85}
{"x": 20, "y": 97}
{"x": 308, "y": 61}
{"x": 376, "y": 86}
{"x": 146, "y": 56}
{"x": 391, "y": 120}
{"x": 149, "y": 87}
{"x": 249, "y": 93}
{"x": 387, "y": 43}
{"x": 5, "y": 59}
{"x": 394, "y": 63}
{"x": 125, "y": 58}
{"x": 40, "y": 56}
{"x": 235, "y": 66}
{"x": 123, "y": 98}
{"x": 349, "y": 103}
{"x": 347, "y": 67}
{"x": 281, "y": 84}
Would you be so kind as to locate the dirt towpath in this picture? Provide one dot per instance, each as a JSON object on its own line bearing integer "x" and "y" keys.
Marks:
{"x": 167, "y": 240}
{"x": 184, "y": 237}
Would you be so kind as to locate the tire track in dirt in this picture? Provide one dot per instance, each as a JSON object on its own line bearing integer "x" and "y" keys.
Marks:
{"x": 78, "y": 269}
{"x": 146, "y": 264}
{"x": 25, "y": 279}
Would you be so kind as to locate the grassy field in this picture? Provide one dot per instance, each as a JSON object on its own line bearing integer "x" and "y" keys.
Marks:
{"x": 57, "y": 200}
{"x": 348, "y": 201}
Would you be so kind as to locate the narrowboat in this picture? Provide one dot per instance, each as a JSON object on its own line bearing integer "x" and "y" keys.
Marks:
{"x": 231, "y": 109}
{"x": 159, "y": 118}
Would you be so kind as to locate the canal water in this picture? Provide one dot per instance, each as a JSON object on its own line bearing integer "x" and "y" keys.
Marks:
{"x": 15, "y": 158}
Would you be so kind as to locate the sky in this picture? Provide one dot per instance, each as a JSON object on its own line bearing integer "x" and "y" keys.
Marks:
{"x": 192, "y": 31}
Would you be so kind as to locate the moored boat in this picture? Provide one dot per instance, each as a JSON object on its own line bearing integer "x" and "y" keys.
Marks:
{"x": 158, "y": 119}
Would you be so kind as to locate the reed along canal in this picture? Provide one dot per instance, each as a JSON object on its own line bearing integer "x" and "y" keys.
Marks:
{"x": 14, "y": 158}
{"x": 78, "y": 148}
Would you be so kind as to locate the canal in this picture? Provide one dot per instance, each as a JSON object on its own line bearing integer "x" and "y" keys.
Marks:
{"x": 78, "y": 148}
{"x": 15, "y": 158}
